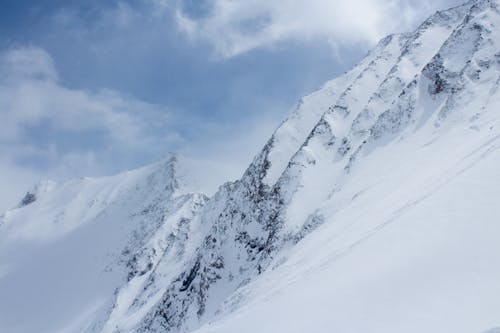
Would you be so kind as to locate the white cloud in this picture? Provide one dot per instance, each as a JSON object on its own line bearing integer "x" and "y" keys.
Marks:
{"x": 27, "y": 63}
{"x": 30, "y": 94}
{"x": 237, "y": 26}
{"x": 71, "y": 132}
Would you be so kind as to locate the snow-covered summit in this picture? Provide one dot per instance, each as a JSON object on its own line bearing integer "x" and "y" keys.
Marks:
{"x": 73, "y": 243}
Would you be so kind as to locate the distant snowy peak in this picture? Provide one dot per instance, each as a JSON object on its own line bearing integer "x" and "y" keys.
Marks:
{"x": 103, "y": 232}
{"x": 159, "y": 174}
{"x": 166, "y": 177}
{"x": 61, "y": 207}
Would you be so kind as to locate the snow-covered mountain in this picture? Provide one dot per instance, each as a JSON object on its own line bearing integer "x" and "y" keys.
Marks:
{"x": 372, "y": 208}
{"x": 69, "y": 247}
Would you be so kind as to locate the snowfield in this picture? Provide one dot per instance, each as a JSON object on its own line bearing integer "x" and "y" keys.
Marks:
{"x": 372, "y": 208}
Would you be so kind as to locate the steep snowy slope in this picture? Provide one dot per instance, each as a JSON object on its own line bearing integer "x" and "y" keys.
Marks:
{"x": 238, "y": 225}
{"x": 66, "y": 248}
{"x": 402, "y": 119}
{"x": 402, "y": 191}
{"x": 370, "y": 209}
{"x": 422, "y": 259}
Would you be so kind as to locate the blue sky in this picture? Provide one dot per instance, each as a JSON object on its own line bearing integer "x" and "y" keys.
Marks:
{"x": 90, "y": 88}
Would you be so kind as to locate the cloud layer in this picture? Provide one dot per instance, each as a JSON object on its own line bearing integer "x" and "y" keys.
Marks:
{"x": 237, "y": 26}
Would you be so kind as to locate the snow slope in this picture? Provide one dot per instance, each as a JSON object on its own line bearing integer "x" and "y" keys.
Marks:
{"x": 64, "y": 252}
{"x": 370, "y": 209}
{"x": 404, "y": 263}
{"x": 402, "y": 191}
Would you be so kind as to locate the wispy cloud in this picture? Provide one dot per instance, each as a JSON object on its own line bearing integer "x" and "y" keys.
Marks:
{"x": 30, "y": 93}
{"x": 71, "y": 131}
{"x": 236, "y": 26}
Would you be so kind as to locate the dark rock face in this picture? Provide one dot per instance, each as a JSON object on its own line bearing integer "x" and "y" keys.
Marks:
{"x": 243, "y": 230}
{"x": 28, "y": 199}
